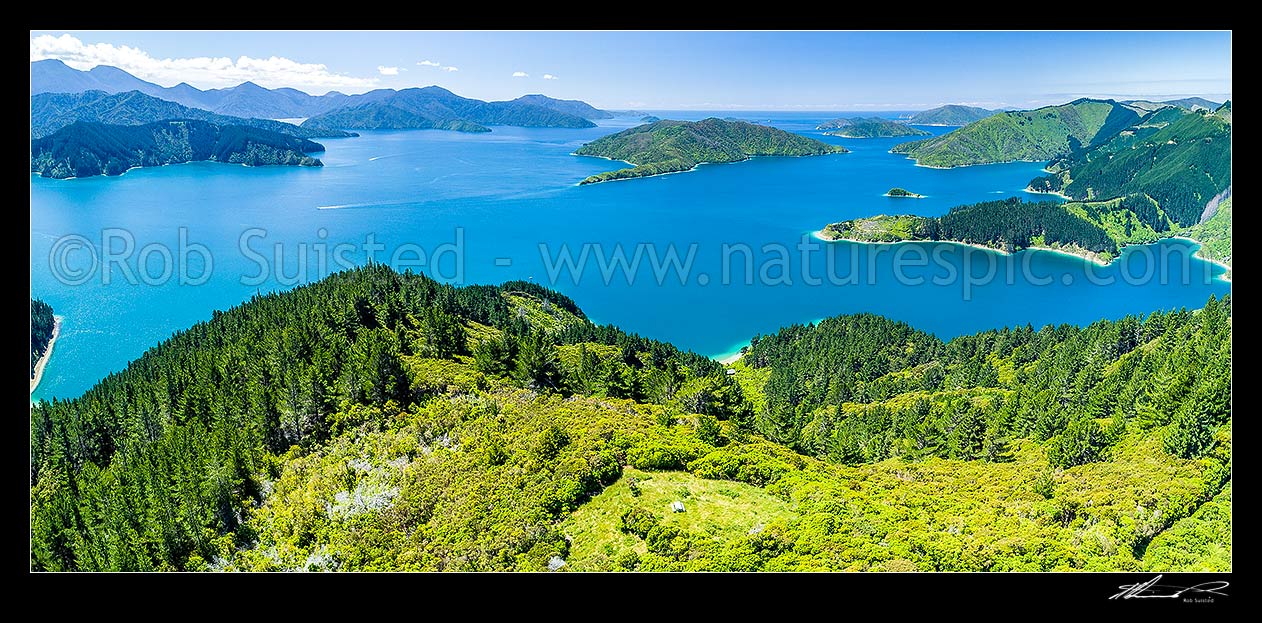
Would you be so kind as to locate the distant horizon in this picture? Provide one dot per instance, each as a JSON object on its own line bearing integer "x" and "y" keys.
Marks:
{"x": 802, "y": 111}
{"x": 686, "y": 71}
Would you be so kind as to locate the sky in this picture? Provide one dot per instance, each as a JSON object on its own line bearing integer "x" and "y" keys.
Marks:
{"x": 682, "y": 70}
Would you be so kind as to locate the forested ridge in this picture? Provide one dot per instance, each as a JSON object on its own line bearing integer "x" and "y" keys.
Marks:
{"x": 88, "y": 148}
{"x": 383, "y": 421}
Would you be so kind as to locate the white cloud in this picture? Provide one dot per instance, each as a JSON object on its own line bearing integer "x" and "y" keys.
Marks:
{"x": 520, "y": 74}
{"x": 388, "y": 71}
{"x": 450, "y": 68}
{"x": 429, "y": 63}
{"x": 550, "y": 77}
{"x": 202, "y": 71}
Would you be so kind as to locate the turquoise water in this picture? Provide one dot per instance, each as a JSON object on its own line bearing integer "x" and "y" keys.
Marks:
{"x": 503, "y": 194}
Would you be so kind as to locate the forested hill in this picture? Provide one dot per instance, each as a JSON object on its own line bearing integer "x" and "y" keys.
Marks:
{"x": 1006, "y": 225}
{"x": 53, "y": 111}
{"x": 42, "y": 324}
{"x": 377, "y": 421}
{"x": 869, "y": 127}
{"x": 437, "y": 108}
{"x": 951, "y": 114}
{"x": 158, "y": 465}
{"x": 670, "y": 146}
{"x": 1037, "y": 135}
{"x": 84, "y": 149}
{"x": 1180, "y": 159}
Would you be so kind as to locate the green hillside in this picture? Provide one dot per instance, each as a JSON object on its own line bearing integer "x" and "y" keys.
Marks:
{"x": 1035, "y": 135}
{"x": 377, "y": 421}
{"x": 1180, "y": 159}
{"x": 671, "y": 146}
{"x": 85, "y": 149}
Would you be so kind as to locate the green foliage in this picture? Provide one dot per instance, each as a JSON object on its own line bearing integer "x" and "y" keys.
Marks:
{"x": 902, "y": 192}
{"x": 84, "y": 149}
{"x": 638, "y": 521}
{"x": 42, "y": 325}
{"x": 860, "y": 389}
{"x": 1008, "y": 225}
{"x": 1181, "y": 163}
{"x": 1214, "y": 234}
{"x": 304, "y": 430}
{"x": 1036, "y": 135}
{"x": 671, "y": 146}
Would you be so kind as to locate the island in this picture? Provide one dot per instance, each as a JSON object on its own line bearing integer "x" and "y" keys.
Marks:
{"x": 1032, "y": 135}
{"x": 650, "y": 119}
{"x": 44, "y": 329}
{"x": 951, "y": 114}
{"x": 85, "y": 149}
{"x": 672, "y": 146}
{"x": 903, "y": 193}
{"x": 871, "y": 127}
{"x": 53, "y": 111}
{"x": 1007, "y": 225}
{"x": 436, "y": 108}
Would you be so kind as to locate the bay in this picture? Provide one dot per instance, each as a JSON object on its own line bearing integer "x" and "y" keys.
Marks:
{"x": 502, "y": 196}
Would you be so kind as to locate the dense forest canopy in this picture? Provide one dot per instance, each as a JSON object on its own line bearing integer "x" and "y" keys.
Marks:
{"x": 383, "y": 421}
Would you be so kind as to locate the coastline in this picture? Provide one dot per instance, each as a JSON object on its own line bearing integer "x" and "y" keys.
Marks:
{"x": 48, "y": 353}
{"x": 1048, "y": 192}
{"x": 694, "y": 167}
{"x": 819, "y": 235}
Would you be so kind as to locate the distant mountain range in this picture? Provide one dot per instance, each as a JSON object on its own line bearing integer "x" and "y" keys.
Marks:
{"x": 1034, "y": 135}
{"x": 244, "y": 100}
{"x": 577, "y": 108}
{"x": 53, "y": 111}
{"x": 1188, "y": 103}
{"x": 85, "y": 149}
{"x": 429, "y": 107}
{"x": 870, "y": 127}
{"x": 951, "y": 114}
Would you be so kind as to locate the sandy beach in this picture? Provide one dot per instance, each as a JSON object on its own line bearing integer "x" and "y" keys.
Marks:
{"x": 48, "y": 353}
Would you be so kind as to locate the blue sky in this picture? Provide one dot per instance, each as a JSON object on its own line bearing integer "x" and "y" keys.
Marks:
{"x": 683, "y": 70}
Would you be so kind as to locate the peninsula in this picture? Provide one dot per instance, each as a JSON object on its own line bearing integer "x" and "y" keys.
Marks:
{"x": 670, "y": 146}
{"x": 85, "y": 149}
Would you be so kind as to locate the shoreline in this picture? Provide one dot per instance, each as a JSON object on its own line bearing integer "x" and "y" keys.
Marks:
{"x": 1049, "y": 192}
{"x": 694, "y": 167}
{"x": 48, "y": 353}
{"x": 819, "y": 235}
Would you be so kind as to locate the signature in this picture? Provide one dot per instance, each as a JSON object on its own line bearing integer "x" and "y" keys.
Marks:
{"x": 1152, "y": 590}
